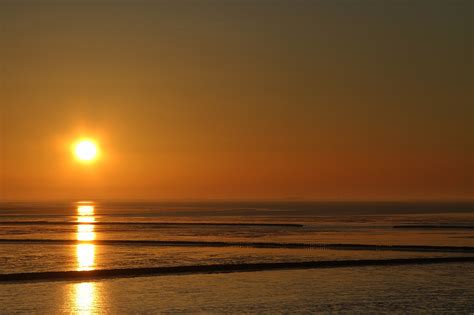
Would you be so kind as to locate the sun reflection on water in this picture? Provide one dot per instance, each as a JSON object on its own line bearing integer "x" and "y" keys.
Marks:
{"x": 85, "y": 256}
{"x": 85, "y": 249}
{"x": 86, "y": 219}
{"x": 85, "y": 232}
{"x": 85, "y": 210}
{"x": 84, "y": 292}
{"x": 85, "y": 298}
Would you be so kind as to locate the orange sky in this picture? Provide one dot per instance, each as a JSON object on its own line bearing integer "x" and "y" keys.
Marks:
{"x": 237, "y": 100}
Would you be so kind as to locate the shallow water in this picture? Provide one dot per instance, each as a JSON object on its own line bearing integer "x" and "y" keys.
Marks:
{"x": 405, "y": 289}
{"x": 49, "y": 237}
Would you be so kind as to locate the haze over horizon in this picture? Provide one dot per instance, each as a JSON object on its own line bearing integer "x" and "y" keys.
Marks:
{"x": 200, "y": 100}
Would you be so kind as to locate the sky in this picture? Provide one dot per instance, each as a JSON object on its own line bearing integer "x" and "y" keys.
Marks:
{"x": 267, "y": 99}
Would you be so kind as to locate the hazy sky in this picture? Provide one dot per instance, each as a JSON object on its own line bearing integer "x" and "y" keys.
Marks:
{"x": 237, "y": 99}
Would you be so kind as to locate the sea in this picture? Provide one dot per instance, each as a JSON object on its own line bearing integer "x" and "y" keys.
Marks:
{"x": 111, "y": 257}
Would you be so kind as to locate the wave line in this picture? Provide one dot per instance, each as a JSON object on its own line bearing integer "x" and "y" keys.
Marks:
{"x": 33, "y": 222}
{"x": 219, "y": 268}
{"x": 416, "y": 248}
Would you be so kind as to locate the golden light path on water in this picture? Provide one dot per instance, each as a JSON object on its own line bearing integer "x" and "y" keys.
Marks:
{"x": 85, "y": 249}
{"x": 85, "y": 297}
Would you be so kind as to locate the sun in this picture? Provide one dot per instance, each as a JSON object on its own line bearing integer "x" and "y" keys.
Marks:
{"x": 86, "y": 150}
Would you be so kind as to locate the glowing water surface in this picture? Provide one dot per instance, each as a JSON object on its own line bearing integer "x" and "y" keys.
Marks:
{"x": 85, "y": 292}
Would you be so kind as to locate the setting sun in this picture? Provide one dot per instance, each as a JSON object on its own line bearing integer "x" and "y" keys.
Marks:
{"x": 253, "y": 156}
{"x": 86, "y": 150}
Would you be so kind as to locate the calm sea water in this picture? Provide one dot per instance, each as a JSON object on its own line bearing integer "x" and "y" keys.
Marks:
{"x": 81, "y": 236}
